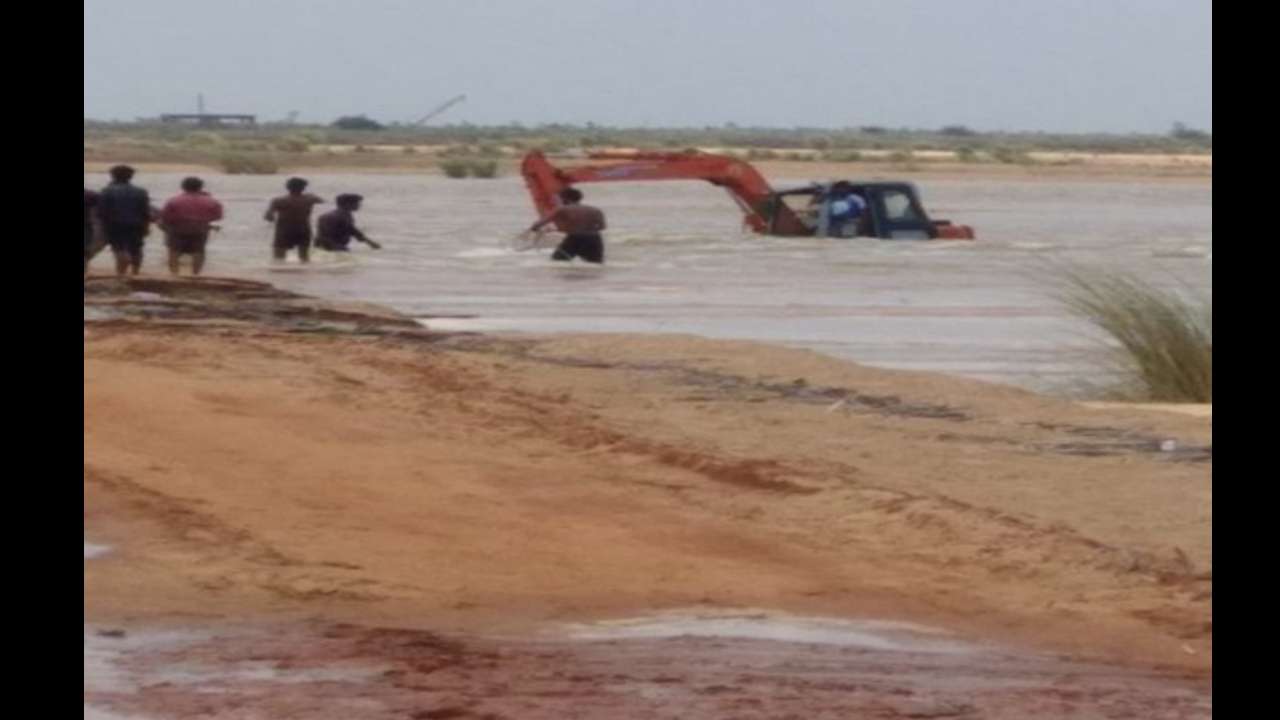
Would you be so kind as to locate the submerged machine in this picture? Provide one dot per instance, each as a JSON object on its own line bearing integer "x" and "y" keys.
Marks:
{"x": 892, "y": 210}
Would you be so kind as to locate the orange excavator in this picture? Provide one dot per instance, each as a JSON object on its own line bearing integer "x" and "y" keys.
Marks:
{"x": 893, "y": 210}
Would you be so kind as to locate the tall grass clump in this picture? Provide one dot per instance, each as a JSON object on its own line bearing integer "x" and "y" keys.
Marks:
{"x": 1012, "y": 156}
{"x": 204, "y": 139}
{"x": 246, "y": 164}
{"x": 1161, "y": 343}
{"x": 843, "y": 156}
{"x": 456, "y": 169}
{"x": 459, "y": 169}
{"x": 293, "y": 144}
{"x": 484, "y": 169}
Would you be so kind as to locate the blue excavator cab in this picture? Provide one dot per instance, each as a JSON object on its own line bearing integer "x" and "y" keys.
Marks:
{"x": 893, "y": 211}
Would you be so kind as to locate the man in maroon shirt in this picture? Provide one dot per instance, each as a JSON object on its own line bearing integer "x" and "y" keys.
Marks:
{"x": 187, "y": 220}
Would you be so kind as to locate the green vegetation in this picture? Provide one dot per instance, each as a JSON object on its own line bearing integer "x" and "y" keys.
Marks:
{"x": 358, "y": 122}
{"x": 484, "y": 169}
{"x": 1012, "y": 156}
{"x": 1158, "y": 341}
{"x": 363, "y": 131}
{"x": 248, "y": 164}
{"x": 460, "y": 168}
{"x": 329, "y": 146}
{"x": 456, "y": 169}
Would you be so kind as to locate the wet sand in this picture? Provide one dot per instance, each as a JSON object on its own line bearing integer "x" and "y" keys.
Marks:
{"x": 291, "y": 488}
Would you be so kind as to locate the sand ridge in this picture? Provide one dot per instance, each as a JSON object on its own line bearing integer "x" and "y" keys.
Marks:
{"x": 482, "y": 480}
{"x": 318, "y": 509}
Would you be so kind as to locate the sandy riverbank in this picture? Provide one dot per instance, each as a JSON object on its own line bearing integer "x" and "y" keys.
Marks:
{"x": 271, "y": 468}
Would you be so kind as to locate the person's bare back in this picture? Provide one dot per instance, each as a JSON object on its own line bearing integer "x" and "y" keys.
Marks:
{"x": 581, "y": 220}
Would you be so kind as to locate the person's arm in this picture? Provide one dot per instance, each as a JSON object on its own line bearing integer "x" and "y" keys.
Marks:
{"x": 358, "y": 235}
{"x": 103, "y": 210}
{"x": 166, "y": 217}
{"x": 152, "y": 213}
{"x": 272, "y": 212}
{"x": 216, "y": 213}
{"x": 553, "y": 217}
{"x": 95, "y": 219}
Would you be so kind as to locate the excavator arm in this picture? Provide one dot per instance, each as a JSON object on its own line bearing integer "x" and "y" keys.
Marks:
{"x": 762, "y": 211}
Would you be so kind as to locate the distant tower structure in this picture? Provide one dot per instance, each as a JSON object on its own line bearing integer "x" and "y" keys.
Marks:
{"x": 440, "y": 110}
{"x": 203, "y": 118}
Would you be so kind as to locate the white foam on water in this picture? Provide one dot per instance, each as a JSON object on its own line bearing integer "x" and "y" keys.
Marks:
{"x": 484, "y": 253}
{"x": 1191, "y": 253}
{"x": 92, "y": 713}
{"x": 879, "y": 635}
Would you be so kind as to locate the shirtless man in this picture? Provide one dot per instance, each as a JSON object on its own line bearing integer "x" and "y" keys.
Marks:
{"x": 292, "y": 217}
{"x": 337, "y": 228}
{"x": 582, "y": 224}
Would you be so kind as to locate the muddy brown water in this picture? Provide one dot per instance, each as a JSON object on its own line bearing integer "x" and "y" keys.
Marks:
{"x": 678, "y": 263}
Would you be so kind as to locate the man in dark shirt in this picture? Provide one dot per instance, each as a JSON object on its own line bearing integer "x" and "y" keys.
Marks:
{"x": 90, "y": 206}
{"x": 292, "y": 217}
{"x": 338, "y": 227}
{"x": 126, "y": 215}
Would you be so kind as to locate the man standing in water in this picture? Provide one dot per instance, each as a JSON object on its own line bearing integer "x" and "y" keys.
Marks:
{"x": 187, "y": 221}
{"x": 126, "y": 215}
{"x": 292, "y": 217}
{"x": 338, "y": 227}
{"x": 582, "y": 224}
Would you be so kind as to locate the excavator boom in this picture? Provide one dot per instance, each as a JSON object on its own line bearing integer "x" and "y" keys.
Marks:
{"x": 894, "y": 208}
{"x": 744, "y": 183}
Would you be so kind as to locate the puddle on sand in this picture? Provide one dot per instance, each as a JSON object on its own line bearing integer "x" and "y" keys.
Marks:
{"x": 108, "y": 674}
{"x": 91, "y": 713}
{"x": 867, "y": 634}
{"x": 96, "y": 314}
{"x": 93, "y": 552}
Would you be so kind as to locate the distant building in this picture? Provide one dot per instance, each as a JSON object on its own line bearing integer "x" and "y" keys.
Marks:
{"x": 210, "y": 120}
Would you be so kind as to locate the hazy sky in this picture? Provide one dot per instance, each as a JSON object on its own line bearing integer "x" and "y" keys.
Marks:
{"x": 1054, "y": 65}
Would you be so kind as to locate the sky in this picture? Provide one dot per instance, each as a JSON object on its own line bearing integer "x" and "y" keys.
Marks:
{"x": 995, "y": 65}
